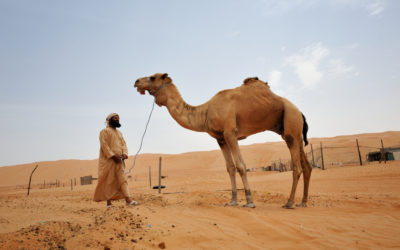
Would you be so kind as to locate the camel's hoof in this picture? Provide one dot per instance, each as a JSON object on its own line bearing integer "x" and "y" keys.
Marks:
{"x": 303, "y": 204}
{"x": 288, "y": 205}
{"x": 250, "y": 205}
{"x": 231, "y": 204}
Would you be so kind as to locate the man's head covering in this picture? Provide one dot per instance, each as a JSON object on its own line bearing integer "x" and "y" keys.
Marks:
{"x": 110, "y": 116}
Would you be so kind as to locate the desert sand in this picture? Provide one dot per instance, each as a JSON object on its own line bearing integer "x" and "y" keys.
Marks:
{"x": 350, "y": 206}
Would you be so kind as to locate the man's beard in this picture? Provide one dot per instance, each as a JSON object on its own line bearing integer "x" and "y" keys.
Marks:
{"x": 115, "y": 124}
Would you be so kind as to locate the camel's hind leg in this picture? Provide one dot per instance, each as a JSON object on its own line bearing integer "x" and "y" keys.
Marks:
{"x": 230, "y": 167}
{"x": 230, "y": 138}
{"x": 306, "y": 176}
{"x": 294, "y": 144}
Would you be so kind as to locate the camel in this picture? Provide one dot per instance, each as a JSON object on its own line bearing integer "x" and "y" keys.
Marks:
{"x": 234, "y": 114}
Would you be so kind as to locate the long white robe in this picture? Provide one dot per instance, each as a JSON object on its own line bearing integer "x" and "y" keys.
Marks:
{"x": 112, "y": 182}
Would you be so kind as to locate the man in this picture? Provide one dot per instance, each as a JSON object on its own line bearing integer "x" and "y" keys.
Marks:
{"x": 112, "y": 184}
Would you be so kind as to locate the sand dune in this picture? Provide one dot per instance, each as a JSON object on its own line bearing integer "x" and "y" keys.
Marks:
{"x": 350, "y": 206}
{"x": 256, "y": 156}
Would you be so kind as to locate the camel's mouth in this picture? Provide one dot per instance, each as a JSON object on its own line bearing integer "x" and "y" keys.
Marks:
{"x": 140, "y": 89}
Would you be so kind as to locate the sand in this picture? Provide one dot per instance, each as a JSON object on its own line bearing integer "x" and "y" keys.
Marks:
{"x": 350, "y": 206}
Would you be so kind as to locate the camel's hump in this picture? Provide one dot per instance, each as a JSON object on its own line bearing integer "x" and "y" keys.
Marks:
{"x": 250, "y": 80}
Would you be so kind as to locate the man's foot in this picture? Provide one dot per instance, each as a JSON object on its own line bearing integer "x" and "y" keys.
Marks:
{"x": 109, "y": 206}
{"x": 132, "y": 203}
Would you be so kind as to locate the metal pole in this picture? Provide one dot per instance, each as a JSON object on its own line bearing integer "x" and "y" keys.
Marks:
{"x": 359, "y": 154}
{"x": 322, "y": 157}
{"x": 312, "y": 154}
{"x": 150, "y": 176}
{"x": 159, "y": 176}
{"x": 30, "y": 178}
{"x": 383, "y": 152}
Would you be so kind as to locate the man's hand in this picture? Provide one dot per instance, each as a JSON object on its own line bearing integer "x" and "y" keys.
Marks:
{"x": 116, "y": 158}
{"x": 124, "y": 156}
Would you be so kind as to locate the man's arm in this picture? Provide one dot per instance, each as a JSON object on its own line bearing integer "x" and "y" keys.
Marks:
{"x": 124, "y": 148}
{"x": 104, "y": 145}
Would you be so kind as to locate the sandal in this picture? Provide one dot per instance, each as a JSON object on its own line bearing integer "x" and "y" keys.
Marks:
{"x": 132, "y": 203}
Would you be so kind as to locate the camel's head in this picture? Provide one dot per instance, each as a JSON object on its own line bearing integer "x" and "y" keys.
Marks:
{"x": 152, "y": 84}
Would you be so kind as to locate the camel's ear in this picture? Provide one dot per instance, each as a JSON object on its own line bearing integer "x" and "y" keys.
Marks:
{"x": 166, "y": 78}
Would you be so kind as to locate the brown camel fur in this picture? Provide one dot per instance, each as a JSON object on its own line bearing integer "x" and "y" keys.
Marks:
{"x": 234, "y": 114}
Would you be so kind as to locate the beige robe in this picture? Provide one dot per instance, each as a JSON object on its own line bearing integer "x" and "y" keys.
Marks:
{"x": 112, "y": 182}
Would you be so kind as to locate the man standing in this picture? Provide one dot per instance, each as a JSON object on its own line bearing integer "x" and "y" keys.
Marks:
{"x": 112, "y": 184}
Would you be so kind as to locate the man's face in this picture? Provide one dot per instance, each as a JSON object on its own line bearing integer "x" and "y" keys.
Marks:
{"x": 114, "y": 121}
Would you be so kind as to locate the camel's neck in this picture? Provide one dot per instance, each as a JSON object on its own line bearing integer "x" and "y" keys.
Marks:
{"x": 190, "y": 117}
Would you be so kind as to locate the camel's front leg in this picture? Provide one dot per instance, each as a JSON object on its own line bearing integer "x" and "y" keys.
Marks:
{"x": 230, "y": 167}
{"x": 233, "y": 145}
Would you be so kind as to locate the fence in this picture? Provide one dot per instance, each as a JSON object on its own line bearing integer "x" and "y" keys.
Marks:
{"x": 325, "y": 156}
{"x": 70, "y": 183}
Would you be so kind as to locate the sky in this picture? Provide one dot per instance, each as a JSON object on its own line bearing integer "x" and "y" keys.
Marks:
{"x": 65, "y": 65}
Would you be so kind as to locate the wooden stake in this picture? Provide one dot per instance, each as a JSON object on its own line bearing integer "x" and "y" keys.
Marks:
{"x": 150, "y": 176}
{"x": 322, "y": 157}
{"x": 383, "y": 155}
{"x": 30, "y": 178}
{"x": 159, "y": 176}
{"x": 359, "y": 154}
{"x": 312, "y": 154}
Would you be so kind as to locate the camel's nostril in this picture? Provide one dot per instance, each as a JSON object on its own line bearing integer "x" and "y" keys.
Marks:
{"x": 136, "y": 82}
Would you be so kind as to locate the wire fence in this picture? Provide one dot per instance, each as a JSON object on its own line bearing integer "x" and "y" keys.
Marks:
{"x": 325, "y": 156}
{"x": 322, "y": 155}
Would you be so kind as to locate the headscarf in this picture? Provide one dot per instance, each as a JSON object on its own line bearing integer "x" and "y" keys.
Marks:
{"x": 109, "y": 117}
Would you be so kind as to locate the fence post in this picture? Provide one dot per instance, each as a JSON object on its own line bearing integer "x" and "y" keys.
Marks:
{"x": 150, "y": 176}
{"x": 359, "y": 154}
{"x": 30, "y": 178}
{"x": 312, "y": 154}
{"x": 159, "y": 176}
{"x": 322, "y": 157}
{"x": 383, "y": 152}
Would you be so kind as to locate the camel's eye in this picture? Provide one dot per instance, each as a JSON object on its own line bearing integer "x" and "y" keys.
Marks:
{"x": 152, "y": 78}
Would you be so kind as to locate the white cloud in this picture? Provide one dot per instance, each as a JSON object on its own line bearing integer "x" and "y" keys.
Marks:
{"x": 307, "y": 62}
{"x": 338, "y": 67}
{"x": 274, "y": 77}
{"x": 314, "y": 63}
{"x": 375, "y": 8}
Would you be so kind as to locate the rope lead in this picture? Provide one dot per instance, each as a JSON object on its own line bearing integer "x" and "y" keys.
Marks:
{"x": 141, "y": 142}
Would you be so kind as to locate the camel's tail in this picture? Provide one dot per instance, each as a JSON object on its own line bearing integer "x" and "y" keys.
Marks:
{"x": 305, "y": 129}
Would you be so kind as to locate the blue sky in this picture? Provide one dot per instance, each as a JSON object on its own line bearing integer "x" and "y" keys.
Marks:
{"x": 65, "y": 65}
